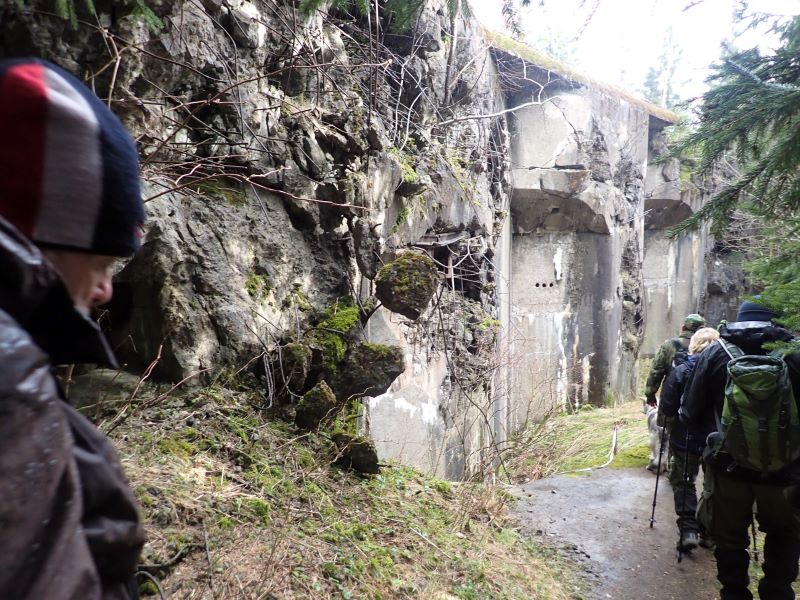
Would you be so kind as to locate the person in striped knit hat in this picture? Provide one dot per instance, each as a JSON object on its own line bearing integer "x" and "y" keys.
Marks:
{"x": 70, "y": 206}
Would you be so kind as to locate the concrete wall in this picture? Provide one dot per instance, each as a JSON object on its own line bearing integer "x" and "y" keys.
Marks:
{"x": 446, "y": 414}
{"x": 673, "y": 269}
{"x": 578, "y": 164}
{"x": 673, "y": 279}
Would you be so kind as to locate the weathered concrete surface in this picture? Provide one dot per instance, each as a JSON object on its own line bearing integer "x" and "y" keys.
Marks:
{"x": 673, "y": 269}
{"x": 673, "y": 284}
{"x": 578, "y": 165}
{"x": 297, "y": 171}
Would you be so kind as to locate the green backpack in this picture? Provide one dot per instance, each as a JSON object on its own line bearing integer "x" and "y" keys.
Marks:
{"x": 759, "y": 427}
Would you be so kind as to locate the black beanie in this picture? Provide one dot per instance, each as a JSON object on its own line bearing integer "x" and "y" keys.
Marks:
{"x": 750, "y": 311}
{"x": 69, "y": 171}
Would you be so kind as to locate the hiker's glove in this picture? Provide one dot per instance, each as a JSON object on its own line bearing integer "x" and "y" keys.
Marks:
{"x": 651, "y": 400}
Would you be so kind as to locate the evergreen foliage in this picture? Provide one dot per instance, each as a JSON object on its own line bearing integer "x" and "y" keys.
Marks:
{"x": 779, "y": 273}
{"x": 752, "y": 113}
{"x": 146, "y": 14}
{"x": 659, "y": 83}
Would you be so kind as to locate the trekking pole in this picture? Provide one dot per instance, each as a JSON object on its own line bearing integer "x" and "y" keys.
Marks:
{"x": 658, "y": 474}
{"x": 753, "y": 529}
{"x": 683, "y": 502}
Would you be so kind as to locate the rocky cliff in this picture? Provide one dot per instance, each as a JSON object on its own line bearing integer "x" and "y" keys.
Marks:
{"x": 289, "y": 159}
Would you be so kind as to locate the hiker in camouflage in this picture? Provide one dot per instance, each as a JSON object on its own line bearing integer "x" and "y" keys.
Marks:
{"x": 731, "y": 490}
{"x": 662, "y": 362}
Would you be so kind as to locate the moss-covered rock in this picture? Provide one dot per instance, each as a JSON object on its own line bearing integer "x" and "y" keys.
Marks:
{"x": 290, "y": 370}
{"x": 407, "y": 284}
{"x": 368, "y": 370}
{"x": 334, "y": 333}
{"x": 317, "y": 405}
{"x": 355, "y": 452}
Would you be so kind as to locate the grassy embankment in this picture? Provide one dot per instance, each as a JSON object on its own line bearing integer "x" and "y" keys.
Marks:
{"x": 238, "y": 506}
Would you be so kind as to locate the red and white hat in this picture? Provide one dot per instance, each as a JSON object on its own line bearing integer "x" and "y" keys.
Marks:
{"x": 69, "y": 171}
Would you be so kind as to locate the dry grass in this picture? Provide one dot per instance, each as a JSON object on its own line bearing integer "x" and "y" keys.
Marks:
{"x": 237, "y": 506}
{"x": 564, "y": 443}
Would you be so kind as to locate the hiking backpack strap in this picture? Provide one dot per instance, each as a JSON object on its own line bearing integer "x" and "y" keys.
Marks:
{"x": 733, "y": 353}
{"x": 730, "y": 349}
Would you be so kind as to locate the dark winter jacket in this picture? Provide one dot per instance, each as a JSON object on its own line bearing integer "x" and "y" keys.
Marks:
{"x": 670, "y": 402}
{"x": 705, "y": 391}
{"x": 69, "y": 527}
{"x": 662, "y": 362}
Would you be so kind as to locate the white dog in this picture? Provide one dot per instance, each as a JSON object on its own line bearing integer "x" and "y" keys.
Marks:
{"x": 656, "y": 435}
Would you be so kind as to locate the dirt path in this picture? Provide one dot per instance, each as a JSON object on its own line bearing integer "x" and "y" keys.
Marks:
{"x": 602, "y": 517}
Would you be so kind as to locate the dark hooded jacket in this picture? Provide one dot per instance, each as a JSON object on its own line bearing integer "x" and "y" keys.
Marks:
{"x": 69, "y": 527}
{"x": 705, "y": 391}
{"x": 669, "y": 404}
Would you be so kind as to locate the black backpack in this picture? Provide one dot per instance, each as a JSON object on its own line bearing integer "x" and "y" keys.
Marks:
{"x": 681, "y": 353}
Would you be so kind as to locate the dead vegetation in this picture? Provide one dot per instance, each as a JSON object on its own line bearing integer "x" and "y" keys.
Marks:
{"x": 585, "y": 439}
{"x": 238, "y": 506}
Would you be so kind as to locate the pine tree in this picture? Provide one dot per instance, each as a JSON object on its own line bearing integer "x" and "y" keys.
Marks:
{"x": 752, "y": 112}
{"x": 659, "y": 82}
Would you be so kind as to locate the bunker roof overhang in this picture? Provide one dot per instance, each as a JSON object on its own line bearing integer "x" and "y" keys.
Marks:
{"x": 524, "y": 70}
{"x": 557, "y": 198}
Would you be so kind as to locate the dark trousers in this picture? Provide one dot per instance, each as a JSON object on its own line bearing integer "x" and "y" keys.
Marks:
{"x": 726, "y": 511}
{"x": 682, "y": 478}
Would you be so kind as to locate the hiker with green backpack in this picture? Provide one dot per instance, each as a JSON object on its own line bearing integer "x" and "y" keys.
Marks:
{"x": 746, "y": 393}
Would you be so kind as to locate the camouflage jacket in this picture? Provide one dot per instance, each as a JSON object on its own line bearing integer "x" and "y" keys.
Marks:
{"x": 662, "y": 362}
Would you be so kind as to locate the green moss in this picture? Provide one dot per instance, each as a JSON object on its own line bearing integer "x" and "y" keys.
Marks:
{"x": 257, "y": 286}
{"x": 489, "y": 324}
{"x": 298, "y": 299}
{"x": 148, "y": 588}
{"x": 259, "y": 509}
{"x": 177, "y": 446}
{"x": 337, "y": 322}
{"x": 216, "y": 188}
{"x": 407, "y": 273}
{"x": 402, "y": 218}
{"x": 635, "y": 457}
{"x": 406, "y": 161}
{"x": 343, "y": 315}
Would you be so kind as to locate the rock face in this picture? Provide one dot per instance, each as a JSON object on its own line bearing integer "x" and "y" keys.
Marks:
{"x": 296, "y": 175}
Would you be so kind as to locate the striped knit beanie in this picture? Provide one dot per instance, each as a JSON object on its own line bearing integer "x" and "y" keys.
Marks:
{"x": 69, "y": 171}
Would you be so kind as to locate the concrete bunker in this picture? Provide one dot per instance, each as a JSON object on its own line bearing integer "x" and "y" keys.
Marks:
{"x": 672, "y": 269}
{"x": 579, "y": 155}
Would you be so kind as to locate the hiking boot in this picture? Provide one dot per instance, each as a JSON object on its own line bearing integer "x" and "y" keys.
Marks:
{"x": 689, "y": 541}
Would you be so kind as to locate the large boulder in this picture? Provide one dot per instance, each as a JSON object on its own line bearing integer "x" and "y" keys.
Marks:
{"x": 407, "y": 284}
{"x": 368, "y": 370}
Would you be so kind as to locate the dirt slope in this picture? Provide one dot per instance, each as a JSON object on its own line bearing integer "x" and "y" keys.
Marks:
{"x": 602, "y": 518}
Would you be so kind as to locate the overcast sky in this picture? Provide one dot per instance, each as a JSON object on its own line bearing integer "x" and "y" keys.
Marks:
{"x": 616, "y": 41}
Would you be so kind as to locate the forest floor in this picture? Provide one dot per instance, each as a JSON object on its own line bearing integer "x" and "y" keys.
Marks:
{"x": 240, "y": 505}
